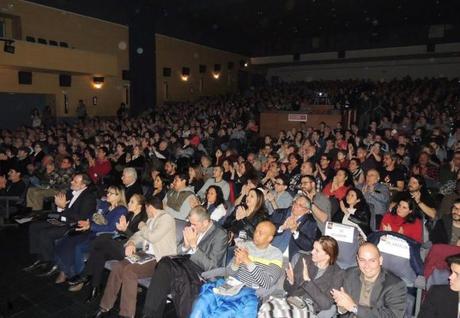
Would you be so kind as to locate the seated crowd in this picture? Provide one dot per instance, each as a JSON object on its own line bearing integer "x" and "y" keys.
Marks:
{"x": 238, "y": 223}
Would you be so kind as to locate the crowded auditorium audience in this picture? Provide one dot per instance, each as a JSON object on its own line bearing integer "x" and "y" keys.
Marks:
{"x": 256, "y": 206}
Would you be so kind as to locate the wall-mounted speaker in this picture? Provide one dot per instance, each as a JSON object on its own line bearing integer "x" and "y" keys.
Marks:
{"x": 217, "y": 67}
{"x": 296, "y": 57}
{"x": 166, "y": 71}
{"x": 25, "y": 78}
{"x": 341, "y": 54}
{"x": 65, "y": 80}
{"x": 431, "y": 47}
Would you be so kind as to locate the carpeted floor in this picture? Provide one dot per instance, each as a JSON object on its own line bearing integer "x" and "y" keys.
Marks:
{"x": 22, "y": 295}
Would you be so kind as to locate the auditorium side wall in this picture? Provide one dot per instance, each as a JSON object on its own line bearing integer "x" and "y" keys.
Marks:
{"x": 82, "y": 33}
{"x": 176, "y": 54}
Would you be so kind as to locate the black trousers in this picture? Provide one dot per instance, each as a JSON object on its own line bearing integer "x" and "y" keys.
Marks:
{"x": 102, "y": 249}
{"x": 42, "y": 237}
{"x": 159, "y": 288}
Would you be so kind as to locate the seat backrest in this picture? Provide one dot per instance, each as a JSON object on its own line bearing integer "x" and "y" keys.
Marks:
{"x": 438, "y": 277}
{"x": 347, "y": 238}
{"x": 395, "y": 251}
{"x": 180, "y": 225}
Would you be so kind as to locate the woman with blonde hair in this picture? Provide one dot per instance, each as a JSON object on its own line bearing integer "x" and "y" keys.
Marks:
{"x": 71, "y": 249}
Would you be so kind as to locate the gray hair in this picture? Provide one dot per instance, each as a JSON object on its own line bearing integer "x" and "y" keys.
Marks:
{"x": 131, "y": 171}
{"x": 302, "y": 196}
{"x": 200, "y": 212}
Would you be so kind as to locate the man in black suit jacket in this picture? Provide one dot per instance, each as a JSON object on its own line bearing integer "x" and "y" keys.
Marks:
{"x": 296, "y": 227}
{"x": 443, "y": 300}
{"x": 43, "y": 234}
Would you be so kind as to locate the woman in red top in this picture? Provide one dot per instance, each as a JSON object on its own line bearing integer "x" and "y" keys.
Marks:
{"x": 404, "y": 219}
{"x": 339, "y": 186}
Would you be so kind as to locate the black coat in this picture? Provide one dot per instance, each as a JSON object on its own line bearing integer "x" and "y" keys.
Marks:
{"x": 245, "y": 224}
{"x": 440, "y": 302}
{"x": 318, "y": 290}
{"x": 442, "y": 231}
{"x": 82, "y": 209}
{"x": 136, "y": 188}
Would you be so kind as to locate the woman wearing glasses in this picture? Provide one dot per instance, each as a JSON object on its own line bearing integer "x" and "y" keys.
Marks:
{"x": 71, "y": 249}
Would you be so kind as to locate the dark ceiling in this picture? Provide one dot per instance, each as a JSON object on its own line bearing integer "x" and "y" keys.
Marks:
{"x": 265, "y": 27}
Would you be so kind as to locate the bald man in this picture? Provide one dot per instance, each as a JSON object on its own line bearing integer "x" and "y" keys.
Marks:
{"x": 256, "y": 264}
{"x": 369, "y": 290}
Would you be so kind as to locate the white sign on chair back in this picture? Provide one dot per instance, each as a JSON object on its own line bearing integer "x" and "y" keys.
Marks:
{"x": 394, "y": 246}
{"x": 341, "y": 232}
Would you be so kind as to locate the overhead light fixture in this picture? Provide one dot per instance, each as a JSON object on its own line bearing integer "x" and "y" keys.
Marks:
{"x": 216, "y": 75}
{"x": 8, "y": 46}
{"x": 98, "y": 82}
{"x": 185, "y": 74}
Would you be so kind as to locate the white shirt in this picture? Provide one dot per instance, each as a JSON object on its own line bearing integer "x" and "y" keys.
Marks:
{"x": 75, "y": 195}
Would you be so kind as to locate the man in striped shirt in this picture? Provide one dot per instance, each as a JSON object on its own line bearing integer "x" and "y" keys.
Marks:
{"x": 256, "y": 264}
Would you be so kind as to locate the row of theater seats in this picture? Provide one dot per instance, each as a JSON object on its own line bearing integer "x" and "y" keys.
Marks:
{"x": 46, "y": 42}
{"x": 404, "y": 260}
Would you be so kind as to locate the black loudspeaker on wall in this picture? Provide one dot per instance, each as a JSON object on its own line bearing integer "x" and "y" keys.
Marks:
{"x": 25, "y": 77}
{"x": 65, "y": 80}
{"x": 166, "y": 71}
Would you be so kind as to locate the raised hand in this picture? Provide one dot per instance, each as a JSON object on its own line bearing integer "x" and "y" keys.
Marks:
{"x": 290, "y": 274}
{"x": 190, "y": 237}
{"x": 240, "y": 213}
{"x": 194, "y": 202}
{"x": 342, "y": 299}
{"x": 306, "y": 276}
{"x": 60, "y": 200}
{"x": 122, "y": 224}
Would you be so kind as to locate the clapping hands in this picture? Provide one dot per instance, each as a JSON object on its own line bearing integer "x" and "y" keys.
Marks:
{"x": 241, "y": 256}
{"x": 190, "y": 237}
{"x": 60, "y": 200}
{"x": 122, "y": 224}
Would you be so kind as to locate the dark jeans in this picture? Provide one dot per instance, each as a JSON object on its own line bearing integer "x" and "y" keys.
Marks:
{"x": 102, "y": 249}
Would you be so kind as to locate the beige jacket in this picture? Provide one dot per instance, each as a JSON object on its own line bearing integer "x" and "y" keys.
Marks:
{"x": 159, "y": 235}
